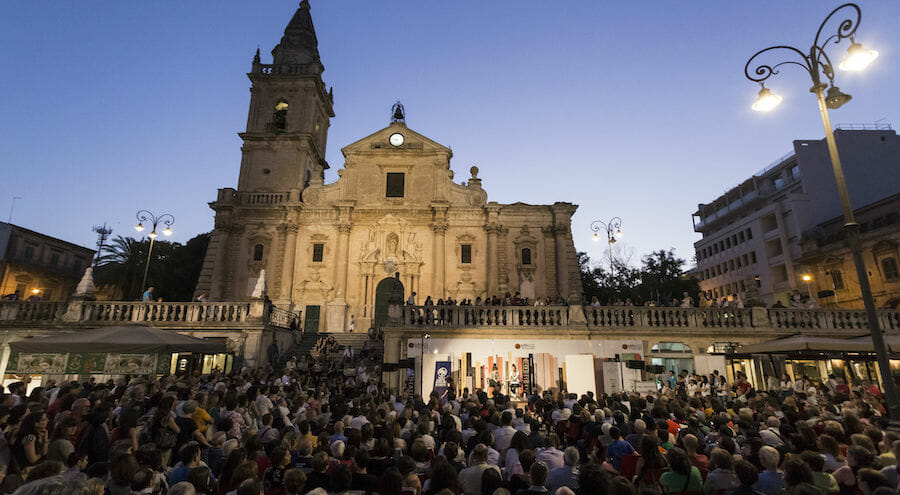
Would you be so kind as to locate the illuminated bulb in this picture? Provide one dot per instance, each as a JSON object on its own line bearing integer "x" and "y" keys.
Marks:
{"x": 167, "y": 232}
{"x": 619, "y": 234}
{"x": 35, "y": 291}
{"x": 858, "y": 58}
{"x": 766, "y": 100}
{"x": 152, "y": 235}
{"x": 596, "y": 237}
{"x": 807, "y": 278}
{"x": 139, "y": 227}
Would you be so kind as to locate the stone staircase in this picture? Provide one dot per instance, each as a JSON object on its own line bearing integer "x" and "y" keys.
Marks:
{"x": 356, "y": 340}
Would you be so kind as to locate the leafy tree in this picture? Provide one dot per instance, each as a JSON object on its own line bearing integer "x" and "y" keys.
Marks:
{"x": 598, "y": 282}
{"x": 662, "y": 281}
{"x": 174, "y": 268}
{"x": 659, "y": 279}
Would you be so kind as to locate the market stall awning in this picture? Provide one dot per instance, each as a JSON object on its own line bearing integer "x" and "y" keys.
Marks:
{"x": 133, "y": 339}
{"x": 802, "y": 343}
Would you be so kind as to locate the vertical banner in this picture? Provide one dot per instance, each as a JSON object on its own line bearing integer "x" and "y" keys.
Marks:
{"x": 409, "y": 385}
{"x": 526, "y": 375}
{"x": 612, "y": 377}
{"x": 441, "y": 372}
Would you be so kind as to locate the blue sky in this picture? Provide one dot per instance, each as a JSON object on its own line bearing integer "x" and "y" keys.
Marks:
{"x": 631, "y": 109}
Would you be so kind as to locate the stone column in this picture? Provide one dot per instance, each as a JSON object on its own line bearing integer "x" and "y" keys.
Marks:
{"x": 285, "y": 296}
{"x": 439, "y": 281}
{"x": 337, "y": 309}
{"x": 218, "y": 274}
{"x": 562, "y": 273}
{"x": 492, "y": 230}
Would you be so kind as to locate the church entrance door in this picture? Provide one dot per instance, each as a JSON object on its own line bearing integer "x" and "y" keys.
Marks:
{"x": 311, "y": 320}
{"x": 383, "y": 292}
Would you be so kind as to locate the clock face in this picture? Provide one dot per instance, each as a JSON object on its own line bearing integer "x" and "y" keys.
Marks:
{"x": 396, "y": 139}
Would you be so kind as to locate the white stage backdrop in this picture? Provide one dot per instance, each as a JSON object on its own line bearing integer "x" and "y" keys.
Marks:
{"x": 474, "y": 361}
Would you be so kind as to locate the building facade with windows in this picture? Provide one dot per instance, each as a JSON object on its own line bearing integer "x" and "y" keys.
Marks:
{"x": 394, "y": 212}
{"x": 754, "y": 234}
{"x": 39, "y": 267}
{"x": 827, "y": 261}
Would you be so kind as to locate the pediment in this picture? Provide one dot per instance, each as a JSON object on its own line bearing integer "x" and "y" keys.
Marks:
{"x": 378, "y": 141}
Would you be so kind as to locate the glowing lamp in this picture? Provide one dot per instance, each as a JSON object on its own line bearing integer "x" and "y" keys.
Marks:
{"x": 858, "y": 58}
{"x": 766, "y": 100}
{"x": 139, "y": 227}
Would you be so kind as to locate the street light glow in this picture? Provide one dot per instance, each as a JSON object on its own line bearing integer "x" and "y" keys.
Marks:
{"x": 152, "y": 235}
{"x": 167, "y": 232}
{"x": 619, "y": 234}
{"x": 596, "y": 237}
{"x": 139, "y": 227}
{"x": 858, "y": 58}
{"x": 766, "y": 100}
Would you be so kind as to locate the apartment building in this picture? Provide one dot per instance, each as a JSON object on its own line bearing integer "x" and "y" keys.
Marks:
{"x": 753, "y": 234}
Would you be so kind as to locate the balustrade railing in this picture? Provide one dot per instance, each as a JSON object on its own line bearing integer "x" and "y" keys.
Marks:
{"x": 485, "y": 316}
{"x": 835, "y": 319}
{"x": 266, "y": 198}
{"x": 164, "y": 312}
{"x": 666, "y": 317}
{"x": 31, "y": 311}
{"x": 601, "y": 317}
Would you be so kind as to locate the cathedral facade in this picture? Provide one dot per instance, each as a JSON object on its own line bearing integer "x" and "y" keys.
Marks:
{"x": 394, "y": 212}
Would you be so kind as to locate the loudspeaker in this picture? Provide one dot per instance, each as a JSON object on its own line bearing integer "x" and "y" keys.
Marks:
{"x": 634, "y": 364}
{"x": 655, "y": 369}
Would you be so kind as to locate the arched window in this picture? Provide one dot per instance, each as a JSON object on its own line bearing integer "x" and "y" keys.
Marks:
{"x": 258, "y": 252}
{"x": 281, "y": 109}
{"x": 526, "y": 256}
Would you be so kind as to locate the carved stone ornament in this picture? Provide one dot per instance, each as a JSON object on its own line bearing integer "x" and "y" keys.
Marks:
{"x": 389, "y": 266}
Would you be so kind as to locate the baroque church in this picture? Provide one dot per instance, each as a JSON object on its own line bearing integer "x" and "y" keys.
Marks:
{"x": 394, "y": 212}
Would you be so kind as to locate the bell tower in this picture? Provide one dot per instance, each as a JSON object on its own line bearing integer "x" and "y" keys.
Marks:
{"x": 283, "y": 152}
{"x": 290, "y": 111}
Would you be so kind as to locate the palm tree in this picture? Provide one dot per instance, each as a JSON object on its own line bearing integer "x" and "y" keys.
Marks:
{"x": 122, "y": 266}
{"x": 174, "y": 267}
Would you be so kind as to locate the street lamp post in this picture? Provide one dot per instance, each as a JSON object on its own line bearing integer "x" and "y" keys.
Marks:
{"x": 613, "y": 230}
{"x": 817, "y": 63}
{"x": 154, "y": 221}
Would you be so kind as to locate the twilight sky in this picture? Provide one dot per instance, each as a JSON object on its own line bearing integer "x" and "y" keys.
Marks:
{"x": 638, "y": 109}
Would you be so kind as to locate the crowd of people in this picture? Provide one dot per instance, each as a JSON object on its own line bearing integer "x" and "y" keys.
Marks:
{"x": 312, "y": 428}
{"x": 508, "y": 299}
